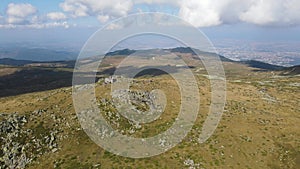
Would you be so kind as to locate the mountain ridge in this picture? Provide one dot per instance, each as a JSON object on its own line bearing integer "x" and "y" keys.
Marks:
{"x": 126, "y": 52}
{"x": 36, "y": 54}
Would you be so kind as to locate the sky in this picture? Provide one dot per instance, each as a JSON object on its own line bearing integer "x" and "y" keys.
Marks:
{"x": 48, "y": 22}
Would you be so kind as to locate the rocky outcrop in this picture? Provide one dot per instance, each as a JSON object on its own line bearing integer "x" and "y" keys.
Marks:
{"x": 20, "y": 145}
{"x": 13, "y": 153}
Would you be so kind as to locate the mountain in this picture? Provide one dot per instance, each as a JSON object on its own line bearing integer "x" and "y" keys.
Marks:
{"x": 188, "y": 50}
{"x": 120, "y": 52}
{"x": 36, "y": 54}
{"x": 14, "y": 62}
{"x": 295, "y": 70}
{"x": 32, "y": 58}
{"x": 183, "y": 50}
{"x": 192, "y": 51}
{"x": 261, "y": 65}
{"x": 39, "y": 126}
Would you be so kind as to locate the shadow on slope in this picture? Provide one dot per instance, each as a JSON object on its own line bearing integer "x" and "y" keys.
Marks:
{"x": 146, "y": 71}
{"x": 295, "y": 70}
{"x": 262, "y": 65}
{"x": 30, "y": 80}
{"x": 36, "y": 79}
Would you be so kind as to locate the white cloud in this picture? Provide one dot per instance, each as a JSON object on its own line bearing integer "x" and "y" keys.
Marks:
{"x": 15, "y": 20}
{"x": 206, "y": 13}
{"x": 20, "y": 10}
{"x": 56, "y": 16}
{"x": 76, "y": 8}
{"x": 172, "y": 2}
{"x": 103, "y": 18}
{"x": 24, "y": 15}
{"x": 38, "y": 25}
{"x": 202, "y": 13}
{"x": 114, "y": 26}
{"x": 19, "y": 13}
{"x": 283, "y": 12}
{"x": 261, "y": 12}
{"x": 101, "y": 9}
{"x": 49, "y": 25}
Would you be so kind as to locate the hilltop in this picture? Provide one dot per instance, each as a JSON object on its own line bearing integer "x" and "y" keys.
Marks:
{"x": 26, "y": 76}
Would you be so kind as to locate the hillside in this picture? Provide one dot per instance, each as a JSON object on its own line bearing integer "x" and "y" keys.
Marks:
{"x": 30, "y": 63}
{"x": 295, "y": 70}
{"x": 40, "y": 128}
{"x": 14, "y": 62}
{"x": 261, "y": 65}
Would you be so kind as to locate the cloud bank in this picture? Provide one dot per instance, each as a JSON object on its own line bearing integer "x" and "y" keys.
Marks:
{"x": 56, "y": 16}
{"x": 103, "y": 10}
{"x": 200, "y": 13}
{"x": 25, "y": 15}
{"x": 205, "y": 13}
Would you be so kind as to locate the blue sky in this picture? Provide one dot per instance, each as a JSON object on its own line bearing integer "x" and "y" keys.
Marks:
{"x": 59, "y": 20}
{"x": 44, "y": 6}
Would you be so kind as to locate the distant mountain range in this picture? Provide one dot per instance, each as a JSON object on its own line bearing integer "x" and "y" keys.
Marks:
{"x": 261, "y": 65}
{"x": 36, "y": 54}
{"x": 14, "y": 62}
{"x": 44, "y": 56}
{"x": 187, "y": 50}
{"x": 295, "y": 70}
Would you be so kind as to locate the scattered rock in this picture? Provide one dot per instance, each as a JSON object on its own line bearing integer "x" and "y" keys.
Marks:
{"x": 191, "y": 164}
{"x": 20, "y": 145}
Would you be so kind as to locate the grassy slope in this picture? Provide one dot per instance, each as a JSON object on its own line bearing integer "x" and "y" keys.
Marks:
{"x": 255, "y": 131}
